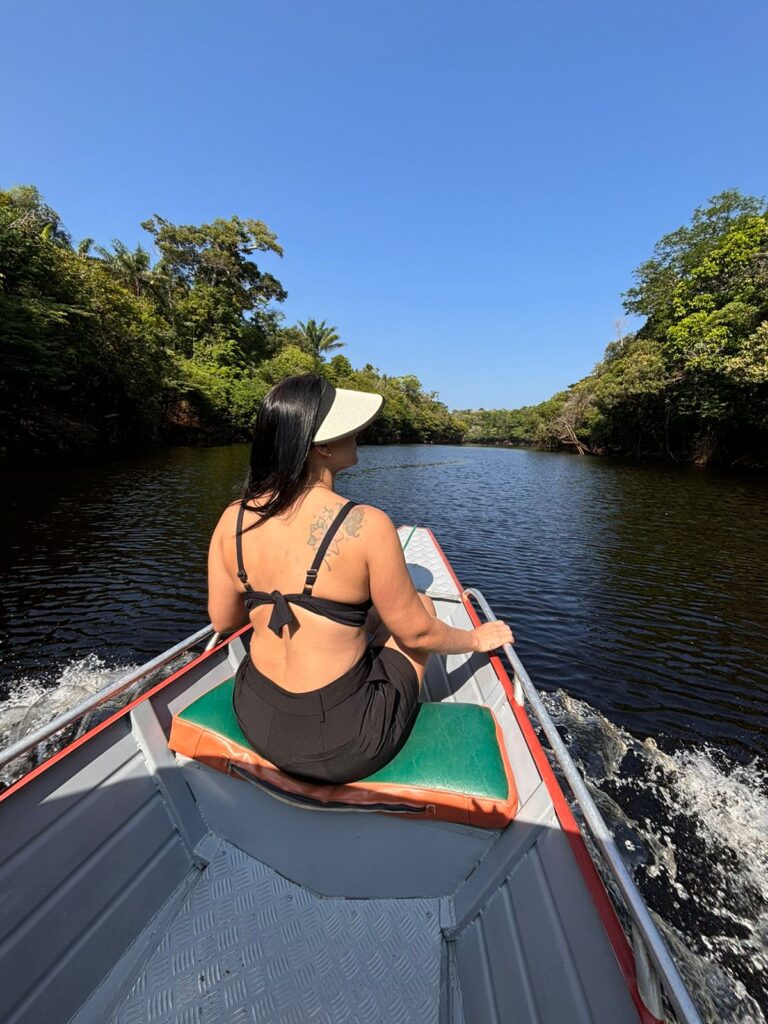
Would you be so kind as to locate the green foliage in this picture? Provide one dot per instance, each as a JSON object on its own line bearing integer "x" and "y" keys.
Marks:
{"x": 693, "y": 381}
{"x": 101, "y": 346}
{"x": 680, "y": 252}
{"x": 77, "y": 347}
{"x": 131, "y": 269}
{"x": 318, "y": 338}
{"x": 529, "y": 425}
{"x": 287, "y": 363}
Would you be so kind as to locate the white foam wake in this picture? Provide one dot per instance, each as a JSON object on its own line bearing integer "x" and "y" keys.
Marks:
{"x": 693, "y": 827}
{"x": 34, "y": 702}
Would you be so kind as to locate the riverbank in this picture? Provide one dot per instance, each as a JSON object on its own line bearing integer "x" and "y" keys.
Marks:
{"x": 53, "y": 436}
{"x": 690, "y": 384}
{"x": 104, "y": 349}
{"x": 59, "y": 437}
{"x": 756, "y": 460}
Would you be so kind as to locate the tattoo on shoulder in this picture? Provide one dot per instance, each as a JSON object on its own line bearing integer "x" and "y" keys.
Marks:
{"x": 322, "y": 521}
{"x": 319, "y": 527}
{"x": 354, "y": 521}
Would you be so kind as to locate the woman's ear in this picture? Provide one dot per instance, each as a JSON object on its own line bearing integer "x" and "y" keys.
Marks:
{"x": 324, "y": 450}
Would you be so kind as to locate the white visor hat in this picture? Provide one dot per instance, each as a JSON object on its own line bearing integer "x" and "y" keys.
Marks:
{"x": 342, "y": 413}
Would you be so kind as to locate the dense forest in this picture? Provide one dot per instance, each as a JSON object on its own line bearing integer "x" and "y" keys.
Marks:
{"x": 105, "y": 347}
{"x": 692, "y": 383}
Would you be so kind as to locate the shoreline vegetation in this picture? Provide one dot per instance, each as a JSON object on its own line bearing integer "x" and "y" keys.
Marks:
{"x": 691, "y": 384}
{"x": 111, "y": 349}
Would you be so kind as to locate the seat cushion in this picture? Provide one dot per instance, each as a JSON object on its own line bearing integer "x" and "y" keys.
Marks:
{"x": 453, "y": 766}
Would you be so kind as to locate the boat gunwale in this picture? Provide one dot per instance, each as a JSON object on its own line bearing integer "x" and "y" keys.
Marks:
{"x": 617, "y": 937}
{"x": 594, "y": 883}
{"x": 120, "y": 713}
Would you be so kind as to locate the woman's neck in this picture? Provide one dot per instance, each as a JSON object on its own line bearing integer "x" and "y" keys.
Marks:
{"x": 325, "y": 479}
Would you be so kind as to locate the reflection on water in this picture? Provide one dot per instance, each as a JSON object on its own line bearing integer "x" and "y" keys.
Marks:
{"x": 361, "y": 469}
{"x": 637, "y": 595}
{"x": 108, "y": 559}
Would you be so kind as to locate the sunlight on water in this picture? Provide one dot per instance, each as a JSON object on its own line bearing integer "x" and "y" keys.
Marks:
{"x": 33, "y": 702}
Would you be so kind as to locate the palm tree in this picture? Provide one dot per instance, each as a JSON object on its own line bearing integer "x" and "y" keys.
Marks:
{"x": 319, "y": 338}
{"x": 131, "y": 268}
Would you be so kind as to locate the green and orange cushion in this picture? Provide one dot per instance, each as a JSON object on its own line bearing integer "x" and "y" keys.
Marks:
{"x": 453, "y": 766}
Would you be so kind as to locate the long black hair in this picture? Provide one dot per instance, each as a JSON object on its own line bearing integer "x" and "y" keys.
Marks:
{"x": 282, "y": 438}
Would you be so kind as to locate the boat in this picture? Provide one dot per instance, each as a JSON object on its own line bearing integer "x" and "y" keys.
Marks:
{"x": 156, "y": 870}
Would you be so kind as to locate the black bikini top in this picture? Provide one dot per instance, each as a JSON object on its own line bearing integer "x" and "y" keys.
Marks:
{"x": 338, "y": 611}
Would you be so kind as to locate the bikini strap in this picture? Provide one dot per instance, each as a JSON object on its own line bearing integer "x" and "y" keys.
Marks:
{"x": 324, "y": 544}
{"x": 241, "y": 573}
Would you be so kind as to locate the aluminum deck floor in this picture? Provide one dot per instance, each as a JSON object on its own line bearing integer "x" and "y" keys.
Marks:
{"x": 250, "y": 947}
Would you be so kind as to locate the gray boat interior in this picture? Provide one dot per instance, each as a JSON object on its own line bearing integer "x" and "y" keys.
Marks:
{"x": 140, "y": 886}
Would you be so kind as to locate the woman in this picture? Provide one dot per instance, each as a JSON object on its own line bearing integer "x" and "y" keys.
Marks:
{"x": 315, "y": 574}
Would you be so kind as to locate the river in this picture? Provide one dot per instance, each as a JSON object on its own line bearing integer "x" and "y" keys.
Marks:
{"x": 637, "y": 594}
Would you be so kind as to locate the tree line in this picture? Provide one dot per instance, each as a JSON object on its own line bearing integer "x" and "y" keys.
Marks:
{"x": 114, "y": 346}
{"x": 692, "y": 382}
{"x": 108, "y": 346}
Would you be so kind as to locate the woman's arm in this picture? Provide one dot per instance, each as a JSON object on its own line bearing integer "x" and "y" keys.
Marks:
{"x": 225, "y": 602}
{"x": 397, "y": 602}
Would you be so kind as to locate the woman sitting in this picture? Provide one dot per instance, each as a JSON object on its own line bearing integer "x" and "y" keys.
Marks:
{"x": 315, "y": 574}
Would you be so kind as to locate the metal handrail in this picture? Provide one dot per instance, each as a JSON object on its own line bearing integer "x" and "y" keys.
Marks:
{"x": 43, "y": 732}
{"x": 644, "y": 928}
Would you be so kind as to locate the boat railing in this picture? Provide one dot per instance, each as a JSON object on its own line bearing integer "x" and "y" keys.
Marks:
{"x": 654, "y": 965}
{"x": 130, "y": 684}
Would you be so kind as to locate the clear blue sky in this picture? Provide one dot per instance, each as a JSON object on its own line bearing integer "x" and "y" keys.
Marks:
{"x": 462, "y": 188}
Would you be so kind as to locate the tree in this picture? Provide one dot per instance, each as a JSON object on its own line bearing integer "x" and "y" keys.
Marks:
{"x": 676, "y": 255}
{"x": 319, "y": 338}
{"x": 339, "y": 371}
{"x": 27, "y": 214}
{"x": 41, "y": 300}
{"x": 693, "y": 381}
{"x": 82, "y": 355}
{"x": 101, "y": 345}
{"x": 207, "y": 282}
{"x": 131, "y": 268}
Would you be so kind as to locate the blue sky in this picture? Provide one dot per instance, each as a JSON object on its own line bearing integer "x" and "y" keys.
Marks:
{"x": 463, "y": 189}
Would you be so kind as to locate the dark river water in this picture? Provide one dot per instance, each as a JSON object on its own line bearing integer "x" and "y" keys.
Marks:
{"x": 638, "y": 597}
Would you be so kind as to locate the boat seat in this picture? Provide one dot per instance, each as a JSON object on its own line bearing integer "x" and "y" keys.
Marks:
{"x": 453, "y": 767}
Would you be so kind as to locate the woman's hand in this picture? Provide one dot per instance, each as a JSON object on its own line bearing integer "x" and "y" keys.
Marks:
{"x": 491, "y": 635}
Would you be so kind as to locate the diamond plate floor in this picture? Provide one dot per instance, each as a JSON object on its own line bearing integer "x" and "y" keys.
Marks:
{"x": 250, "y": 947}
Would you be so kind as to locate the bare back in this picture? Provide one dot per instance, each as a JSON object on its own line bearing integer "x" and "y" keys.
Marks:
{"x": 313, "y": 650}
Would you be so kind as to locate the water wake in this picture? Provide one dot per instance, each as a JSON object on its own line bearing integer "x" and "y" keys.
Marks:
{"x": 693, "y": 827}
{"x": 33, "y": 702}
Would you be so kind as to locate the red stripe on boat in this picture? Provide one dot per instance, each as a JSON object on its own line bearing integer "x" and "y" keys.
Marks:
{"x": 594, "y": 883}
{"x": 113, "y": 718}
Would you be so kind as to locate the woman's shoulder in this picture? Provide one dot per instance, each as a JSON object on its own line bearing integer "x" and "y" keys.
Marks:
{"x": 373, "y": 520}
{"x": 361, "y": 520}
{"x": 228, "y": 518}
{"x": 360, "y": 515}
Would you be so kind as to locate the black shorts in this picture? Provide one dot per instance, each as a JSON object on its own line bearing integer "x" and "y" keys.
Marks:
{"x": 340, "y": 733}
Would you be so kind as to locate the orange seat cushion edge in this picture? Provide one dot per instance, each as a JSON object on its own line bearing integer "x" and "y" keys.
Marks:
{"x": 217, "y": 751}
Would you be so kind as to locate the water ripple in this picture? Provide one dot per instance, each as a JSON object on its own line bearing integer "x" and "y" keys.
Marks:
{"x": 637, "y": 595}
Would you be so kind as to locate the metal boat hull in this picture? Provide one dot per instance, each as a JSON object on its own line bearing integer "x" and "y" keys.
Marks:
{"x": 140, "y": 886}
